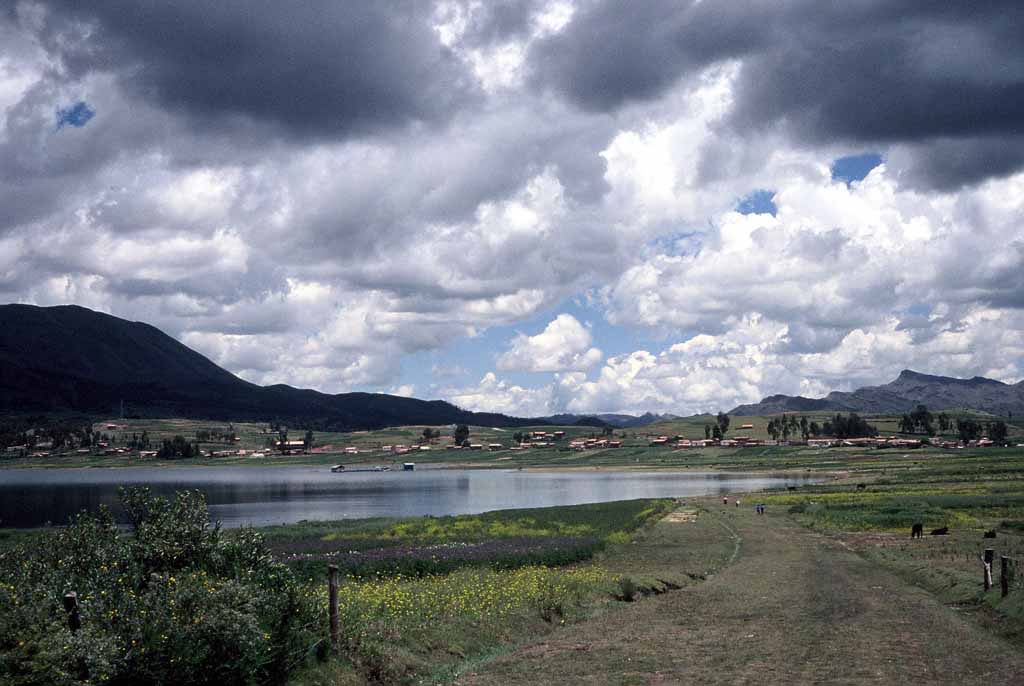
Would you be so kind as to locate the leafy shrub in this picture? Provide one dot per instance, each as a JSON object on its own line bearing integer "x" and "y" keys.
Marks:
{"x": 172, "y": 601}
{"x": 627, "y": 589}
{"x": 617, "y": 538}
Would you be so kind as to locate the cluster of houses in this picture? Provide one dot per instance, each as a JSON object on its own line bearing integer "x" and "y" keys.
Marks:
{"x": 873, "y": 442}
{"x": 594, "y": 443}
{"x": 680, "y": 442}
{"x": 398, "y": 449}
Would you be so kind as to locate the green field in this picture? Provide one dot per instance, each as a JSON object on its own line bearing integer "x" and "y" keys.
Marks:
{"x": 517, "y": 596}
{"x": 329, "y": 448}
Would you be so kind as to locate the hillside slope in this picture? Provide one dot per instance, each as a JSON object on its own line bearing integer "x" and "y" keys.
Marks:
{"x": 70, "y": 358}
{"x": 903, "y": 394}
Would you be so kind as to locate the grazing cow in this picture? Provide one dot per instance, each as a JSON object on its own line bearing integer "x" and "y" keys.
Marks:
{"x": 790, "y": 488}
{"x": 861, "y": 487}
{"x": 940, "y": 532}
{"x": 991, "y": 533}
{"x": 917, "y": 530}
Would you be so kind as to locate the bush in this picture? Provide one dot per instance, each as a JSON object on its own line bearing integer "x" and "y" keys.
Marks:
{"x": 627, "y": 589}
{"x": 172, "y": 601}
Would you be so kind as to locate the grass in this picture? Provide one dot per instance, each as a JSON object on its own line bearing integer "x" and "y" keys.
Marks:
{"x": 431, "y": 545}
{"x": 486, "y": 616}
{"x": 330, "y": 446}
{"x": 397, "y": 628}
{"x": 403, "y": 627}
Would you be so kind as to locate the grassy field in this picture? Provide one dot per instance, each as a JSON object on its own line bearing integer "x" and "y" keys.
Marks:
{"x": 414, "y": 623}
{"x": 329, "y": 448}
{"x": 814, "y": 563}
{"x": 828, "y": 586}
{"x": 778, "y": 604}
{"x": 887, "y": 425}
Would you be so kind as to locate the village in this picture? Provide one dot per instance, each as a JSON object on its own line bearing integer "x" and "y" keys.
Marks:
{"x": 113, "y": 439}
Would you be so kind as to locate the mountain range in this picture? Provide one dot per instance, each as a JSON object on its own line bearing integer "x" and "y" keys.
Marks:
{"x": 906, "y": 392}
{"x": 72, "y": 359}
{"x": 619, "y": 421}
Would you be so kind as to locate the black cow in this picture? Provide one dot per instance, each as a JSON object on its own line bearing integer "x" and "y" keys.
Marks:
{"x": 917, "y": 530}
{"x": 991, "y": 533}
{"x": 861, "y": 487}
{"x": 940, "y": 532}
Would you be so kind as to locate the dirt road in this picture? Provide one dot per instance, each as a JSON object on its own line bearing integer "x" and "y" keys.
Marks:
{"x": 793, "y": 607}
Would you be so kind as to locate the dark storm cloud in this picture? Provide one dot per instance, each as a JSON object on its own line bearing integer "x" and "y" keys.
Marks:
{"x": 868, "y": 72}
{"x": 316, "y": 68}
{"x": 499, "y": 20}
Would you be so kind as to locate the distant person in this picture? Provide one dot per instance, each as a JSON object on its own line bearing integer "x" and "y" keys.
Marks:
{"x": 725, "y": 500}
{"x": 737, "y": 502}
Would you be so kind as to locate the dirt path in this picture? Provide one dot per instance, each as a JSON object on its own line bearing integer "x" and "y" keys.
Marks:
{"x": 793, "y": 608}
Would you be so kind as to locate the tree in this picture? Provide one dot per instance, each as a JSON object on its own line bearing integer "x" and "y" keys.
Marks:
{"x": 852, "y": 426}
{"x": 997, "y": 431}
{"x": 716, "y": 432}
{"x": 307, "y": 441}
{"x": 178, "y": 447}
{"x": 461, "y": 434}
{"x": 773, "y": 429}
{"x": 707, "y": 432}
{"x": 723, "y": 422}
{"x": 922, "y": 418}
{"x": 815, "y": 429}
{"x": 517, "y": 437}
{"x": 805, "y": 430}
{"x": 944, "y": 423}
{"x": 968, "y": 429}
{"x": 794, "y": 426}
{"x": 428, "y": 433}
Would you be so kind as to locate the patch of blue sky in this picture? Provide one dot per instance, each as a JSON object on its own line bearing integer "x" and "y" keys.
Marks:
{"x": 760, "y": 201}
{"x": 675, "y": 244}
{"x": 77, "y": 115}
{"x": 472, "y": 358}
{"x": 919, "y": 309}
{"x": 854, "y": 167}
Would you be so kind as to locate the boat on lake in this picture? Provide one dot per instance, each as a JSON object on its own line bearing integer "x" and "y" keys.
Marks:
{"x": 376, "y": 468}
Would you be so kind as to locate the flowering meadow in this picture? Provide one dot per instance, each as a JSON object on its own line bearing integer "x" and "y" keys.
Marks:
{"x": 422, "y": 594}
{"x": 171, "y": 599}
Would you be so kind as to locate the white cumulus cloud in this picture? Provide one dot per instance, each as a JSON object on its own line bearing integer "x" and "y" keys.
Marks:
{"x": 563, "y": 345}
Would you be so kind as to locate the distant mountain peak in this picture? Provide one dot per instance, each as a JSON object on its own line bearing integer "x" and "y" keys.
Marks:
{"x": 903, "y": 394}
{"x": 918, "y": 377}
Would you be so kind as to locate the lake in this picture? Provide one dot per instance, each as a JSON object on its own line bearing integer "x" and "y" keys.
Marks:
{"x": 260, "y": 496}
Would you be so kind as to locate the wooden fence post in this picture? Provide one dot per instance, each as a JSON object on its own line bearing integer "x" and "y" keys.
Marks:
{"x": 987, "y": 562}
{"x": 71, "y": 607}
{"x": 332, "y": 599}
{"x": 1004, "y": 575}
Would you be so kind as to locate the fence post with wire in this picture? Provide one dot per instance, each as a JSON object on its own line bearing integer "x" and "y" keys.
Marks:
{"x": 332, "y": 599}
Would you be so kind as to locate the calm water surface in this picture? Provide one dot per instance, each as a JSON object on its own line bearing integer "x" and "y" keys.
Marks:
{"x": 279, "y": 495}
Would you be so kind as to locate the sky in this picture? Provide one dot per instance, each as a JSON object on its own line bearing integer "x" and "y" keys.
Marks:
{"x": 528, "y": 206}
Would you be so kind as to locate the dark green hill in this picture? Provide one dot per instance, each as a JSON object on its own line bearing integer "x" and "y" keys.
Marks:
{"x": 69, "y": 358}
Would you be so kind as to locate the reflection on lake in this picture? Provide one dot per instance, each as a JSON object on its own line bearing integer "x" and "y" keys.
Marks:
{"x": 278, "y": 495}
